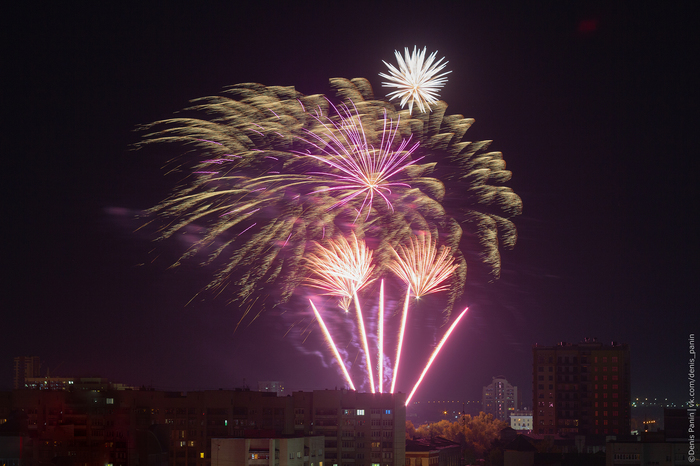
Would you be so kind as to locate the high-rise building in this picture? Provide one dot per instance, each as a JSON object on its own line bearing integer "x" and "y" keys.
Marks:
{"x": 499, "y": 398}
{"x": 581, "y": 388}
{"x": 25, "y": 367}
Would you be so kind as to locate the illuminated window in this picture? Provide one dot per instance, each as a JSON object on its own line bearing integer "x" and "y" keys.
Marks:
{"x": 201, "y": 455}
{"x": 360, "y": 412}
{"x": 110, "y": 401}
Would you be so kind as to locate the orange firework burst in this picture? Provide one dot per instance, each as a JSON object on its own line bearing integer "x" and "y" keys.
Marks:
{"x": 342, "y": 269}
{"x": 422, "y": 266}
{"x": 423, "y": 269}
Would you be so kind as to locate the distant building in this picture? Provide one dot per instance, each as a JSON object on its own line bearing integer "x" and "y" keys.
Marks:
{"x": 500, "y": 398}
{"x": 581, "y": 388}
{"x": 272, "y": 386}
{"x": 25, "y": 367}
{"x": 436, "y": 451}
{"x": 521, "y": 419}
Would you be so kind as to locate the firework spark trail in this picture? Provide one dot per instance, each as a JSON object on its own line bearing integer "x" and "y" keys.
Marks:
{"x": 434, "y": 355}
{"x": 329, "y": 339}
{"x": 399, "y": 346}
{"x": 380, "y": 336}
{"x": 416, "y": 79}
{"x": 365, "y": 345}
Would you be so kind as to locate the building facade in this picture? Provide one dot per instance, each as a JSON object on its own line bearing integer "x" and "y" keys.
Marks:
{"x": 96, "y": 424}
{"x": 499, "y": 398}
{"x": 521, "y": 419}
{"x": 25, "y": 367}
{"x": 581, "y": 388}
{"x": 265, "y": 451}
{"x": 436, "y": 451}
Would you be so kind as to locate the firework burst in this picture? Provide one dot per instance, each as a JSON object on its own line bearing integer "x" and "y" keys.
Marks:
{"x": 342, "y": 269}
{"x": 422, "y": 267}
{"x": 269, "y": 175}
{"x": 417, "y": 80}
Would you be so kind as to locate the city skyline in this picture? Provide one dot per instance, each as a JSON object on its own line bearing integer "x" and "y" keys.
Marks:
{"x": 592, "y": 109}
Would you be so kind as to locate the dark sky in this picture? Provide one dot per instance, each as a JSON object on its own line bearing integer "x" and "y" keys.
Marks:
{"x": 594, "y": 108}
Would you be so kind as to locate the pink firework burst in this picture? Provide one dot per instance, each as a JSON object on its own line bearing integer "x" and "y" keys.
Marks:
{"x": 358, "y": 168}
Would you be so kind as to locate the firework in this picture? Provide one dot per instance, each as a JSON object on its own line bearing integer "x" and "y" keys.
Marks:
{"x": 402, "y": 332}
{"x": 334, "y": 348}
{"x": 380, "y": 337}
{"x": 365, "y": 344}
{"x": 422, "y": 267}
{"x": 358, "y": 168}
{"x": 434, "y": 355}
{"x": 269, "y": 174}
{"x": 417, "y": 80}
{"x": 342, "y": 270}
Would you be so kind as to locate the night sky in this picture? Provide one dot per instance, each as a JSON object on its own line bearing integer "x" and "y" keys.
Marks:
{"x": 594, "y": 109}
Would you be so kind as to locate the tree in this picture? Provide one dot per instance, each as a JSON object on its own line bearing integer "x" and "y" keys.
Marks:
{"x": 476, "y": 434}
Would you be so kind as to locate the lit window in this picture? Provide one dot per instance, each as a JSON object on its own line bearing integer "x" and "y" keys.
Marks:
{"x": 360, "y": 412}
{"x": 201, "y": 455}
{"x": 110, "y": 401}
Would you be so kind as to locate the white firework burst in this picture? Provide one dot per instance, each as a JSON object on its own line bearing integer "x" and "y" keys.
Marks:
{"x": 417, "y": 80}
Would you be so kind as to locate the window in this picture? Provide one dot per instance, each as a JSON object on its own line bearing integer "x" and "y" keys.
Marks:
{"x": 387, "y": 411}
{"x": 360, "y": 412}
